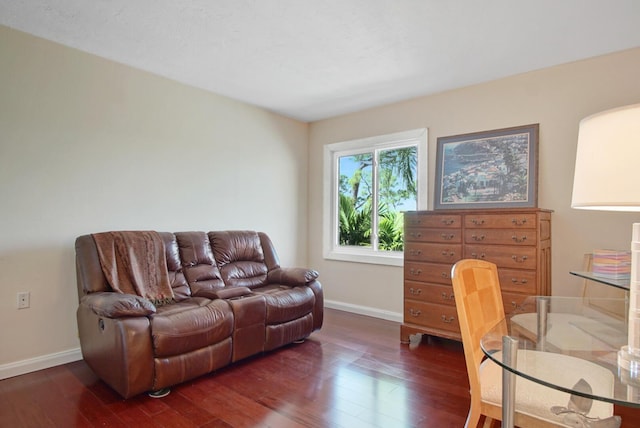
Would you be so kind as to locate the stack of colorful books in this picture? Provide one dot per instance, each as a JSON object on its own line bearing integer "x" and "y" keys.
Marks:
{"x": 612, "y": 264}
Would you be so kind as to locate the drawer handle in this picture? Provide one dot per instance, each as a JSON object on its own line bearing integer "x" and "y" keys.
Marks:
{"x": 415, "y": 252}
{"x": 447, "y": 237}
{"x": 414, "y": 313}
{"x": 447, "y": 320}
{"x": 522, "y": 281}
{"x": 416, "y": 291}
{"x": 478, "y": 238}
{"x": 416, "y": 234}
{"x": 516, "y": 239}
{"x": 476, "y": 256}
{"x": 519, "y": 260}
{"x": 448, "y": 221}
{"x": 518, "y": 222}
{"x": 448, "y": 253}
{"x": 446, "y": 296}
{"x": 415, "y": 272}
{"x": 445, "y": 275}
{"x": 477, "y": 222}
{"x": 516, "y": 306}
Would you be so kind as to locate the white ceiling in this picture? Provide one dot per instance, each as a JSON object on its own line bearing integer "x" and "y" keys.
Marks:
{"x": 313, "y": 59}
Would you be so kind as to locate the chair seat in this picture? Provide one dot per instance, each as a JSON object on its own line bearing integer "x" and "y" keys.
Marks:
{"x": 535, "y": 399}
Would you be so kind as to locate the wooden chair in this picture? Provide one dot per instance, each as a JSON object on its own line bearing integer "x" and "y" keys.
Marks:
{"x": 479, "y": 305}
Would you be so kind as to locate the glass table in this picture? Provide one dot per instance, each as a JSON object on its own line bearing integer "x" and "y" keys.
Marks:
{"x": 622, "y": 283}
{"x": 572, "y": 326}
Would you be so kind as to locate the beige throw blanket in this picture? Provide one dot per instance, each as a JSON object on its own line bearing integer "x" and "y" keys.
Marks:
{"x": 134, "y": 262}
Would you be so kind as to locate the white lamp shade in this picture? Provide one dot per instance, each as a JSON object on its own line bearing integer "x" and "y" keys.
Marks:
{"x": 607, "y": 173}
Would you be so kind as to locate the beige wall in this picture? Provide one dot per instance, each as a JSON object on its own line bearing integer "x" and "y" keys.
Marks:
{"x": 89, "y": 145}
{"x": 556, "y": 98}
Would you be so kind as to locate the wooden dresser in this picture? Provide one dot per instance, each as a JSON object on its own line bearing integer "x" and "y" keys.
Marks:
{"x": 517, "y": 240}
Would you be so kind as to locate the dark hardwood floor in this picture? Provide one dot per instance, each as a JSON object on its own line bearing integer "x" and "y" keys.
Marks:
{"x": 353, "y": 373}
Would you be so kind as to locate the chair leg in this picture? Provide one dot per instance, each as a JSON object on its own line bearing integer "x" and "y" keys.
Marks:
{"x": 488, "y": 422}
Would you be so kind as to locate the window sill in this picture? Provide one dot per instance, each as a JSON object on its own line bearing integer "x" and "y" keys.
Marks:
{"x": 367, "y": 256}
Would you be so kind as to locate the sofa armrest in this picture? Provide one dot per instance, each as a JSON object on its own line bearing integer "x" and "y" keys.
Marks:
{"x": 223, "y": 293}
{"x": 116, "y": 305}
{"x": 291, "y": 276}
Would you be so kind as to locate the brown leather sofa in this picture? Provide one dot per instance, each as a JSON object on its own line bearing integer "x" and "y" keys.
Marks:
{"x": 232, "y": 299}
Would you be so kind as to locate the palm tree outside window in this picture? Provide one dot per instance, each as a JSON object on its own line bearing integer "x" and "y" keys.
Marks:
{"x": 374, "y": 181}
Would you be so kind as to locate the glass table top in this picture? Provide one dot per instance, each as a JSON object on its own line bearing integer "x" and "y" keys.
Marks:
{"x": 561, "y": 334}
{"x": 622, "y": 283}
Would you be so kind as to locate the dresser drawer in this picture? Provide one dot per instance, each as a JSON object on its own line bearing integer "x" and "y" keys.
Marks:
{"x": 415, "y": 234}
{"x": 503, "y": 256}
{"x": 439, "y": 273}
{"x": 431, "y": 315}
{"x": 432, "y": 293}
{"x": 427, "y": 252}
{"x": 520, "y": 281}
{"x": 512, "y": 301}
{"x": 501, "y": 236}
{"x": 413, "y": 219}
{"x": 512, "y": 220}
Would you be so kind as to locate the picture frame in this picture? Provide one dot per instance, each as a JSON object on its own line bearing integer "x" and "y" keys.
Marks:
{"x": 489, "y": 169}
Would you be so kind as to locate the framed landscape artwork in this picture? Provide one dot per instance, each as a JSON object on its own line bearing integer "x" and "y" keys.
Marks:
{"x": 491, "y": 169}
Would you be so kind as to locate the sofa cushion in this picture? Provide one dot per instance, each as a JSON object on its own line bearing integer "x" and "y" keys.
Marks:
{"x": 240, "y": 258}
{"x": 198, "y": 264}
{"x": 177, "y": 280}
{"x": 189, "y": 325}
{"x": 286, "y": 303}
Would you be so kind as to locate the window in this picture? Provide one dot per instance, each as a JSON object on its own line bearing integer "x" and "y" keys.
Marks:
{"x": 369, "y": 183}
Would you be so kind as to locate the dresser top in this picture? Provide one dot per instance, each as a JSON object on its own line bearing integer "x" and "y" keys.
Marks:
{"x": 482, "y": 211}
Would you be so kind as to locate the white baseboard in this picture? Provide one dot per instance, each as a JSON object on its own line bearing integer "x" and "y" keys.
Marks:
{"x": 39, "y": 363}
{"x": 364, "y": 310}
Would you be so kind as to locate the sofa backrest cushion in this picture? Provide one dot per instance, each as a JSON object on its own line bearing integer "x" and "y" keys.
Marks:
{"x": 177, "y": 279}
{"x": 198, "y": 264}
{"x": 239, "y": 257}
{"x": 90, "y": 278}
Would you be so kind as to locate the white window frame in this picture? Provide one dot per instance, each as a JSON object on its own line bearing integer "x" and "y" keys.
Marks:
{"x": 331, "y": 249}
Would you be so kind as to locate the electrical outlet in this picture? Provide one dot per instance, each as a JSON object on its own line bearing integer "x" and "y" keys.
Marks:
{"x": 23, "y": 299}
